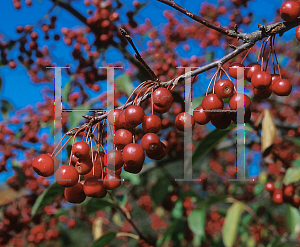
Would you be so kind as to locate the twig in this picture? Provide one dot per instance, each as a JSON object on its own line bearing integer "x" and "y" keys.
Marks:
{"x": 270, "y": 30}
{"x": 130, "y": 221}
{"x": 207, "y": 23}
{"x": 138, "y": 56}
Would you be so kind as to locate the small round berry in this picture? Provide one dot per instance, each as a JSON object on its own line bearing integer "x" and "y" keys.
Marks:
{"x": 123, "y": 123}
{"x": 232, "y": 70}
{"x": 269, "y": 186}
{"x": 224, "y": 88}
{"x": 184, "y": 120}
{"x": 43, "y": 165}
{"x": 114, "y": 160}
{"x": 282, "y": 87}
{"x": 251, "y": 69}
{"x": 66, "y": 176}
{"x": 289, "y": 11}
{"x": 277, "y": 196}
{"x": 160, "y": 152}
{"x": 122, "y": 138}
{"x": 261, "y": 80}
{"x": 133, "y": 154}
{"x": 297, "y": 33}
{"x": 112, "y": 182}
{"x": 211, "y": 102}
{"x": 75, "y": 194}
{"x": 113, "y": 118}
{"x": 275, "y": 77}
{"x": 200, "y": 116}
{"x": 93, "y": 187}
{"x": 162, "y": 97}
{"x": 239, "y": 99}
{"x": 12, "y": 64}
{"x": 296, "y": 201}
{"x": 114, "y": 172}
{"x": 133, "y": 169}
{"x": 149, "y": 142}
{"x": 221, "y": 120}
{"x": 289, "y": 192}
{"x": 161, "y": 109}
{"x": 81, "y": 149}
{"x": 134, "y": 115}
{"x": 84, "y": 166}
{"x": 263, "y": 93}
{"x": 151, "y": 124}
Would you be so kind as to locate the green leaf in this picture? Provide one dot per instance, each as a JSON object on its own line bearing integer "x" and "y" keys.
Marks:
{"x": 133, "y": 178}
{"x": 17, "y": 167}
{"x": 104, "y": 239}
{"x": 122, "y": 199}
{"x": 47, "y": 197}
{"x": 66, "y": 91}
{"x": 160, "y": 190}
{"x": 296, "y": 141}
{"x": 177, "y": 211}
{"x": 76, "y": 115}
{"x": 211, "y": 201}
{"x": 230, "y": 227}
{"x": 209, "y": 142}
{"x": 125, "y": 84}
{"x": 196, "y": 221}
{"x": 169, "y": 232}
{"x": 293, "y": 219}
{"x": 296, "y": 163}
{"x": 5, "y": 107}
{"x": 292, "y": 175}
{"x": 96, "y": 204}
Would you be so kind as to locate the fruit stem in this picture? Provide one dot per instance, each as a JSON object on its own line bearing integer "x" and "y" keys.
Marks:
{"x": 212, "y": 80}
{"x": 152, "y": 101}
{"x": 60, "y": 143}
{"x": 143, "y": 83}
{"x": 246, "y": 55}
{"x": 276, "y": 59}
{"x": 63, "y": 146}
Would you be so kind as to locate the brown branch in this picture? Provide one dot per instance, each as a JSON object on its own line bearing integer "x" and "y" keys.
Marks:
{"x": 138, "y": 56}
{"x": 202, "y": 20}
{"x": 264, "y": 31}
{"x": 151, "y": 242}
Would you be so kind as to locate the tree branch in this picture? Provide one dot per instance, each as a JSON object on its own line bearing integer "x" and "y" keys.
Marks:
{"x": 200, "y": 19}
{"x": 264, "y": 31}
{"x": 130, "y": 221}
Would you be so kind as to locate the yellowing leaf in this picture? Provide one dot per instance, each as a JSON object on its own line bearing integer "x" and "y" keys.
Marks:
{"x": 97, "y": 228}
{"x": 269, "y": 133}
{"x": 230, "y": 227}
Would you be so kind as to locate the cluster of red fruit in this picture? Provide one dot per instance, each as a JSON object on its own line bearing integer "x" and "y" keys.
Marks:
{"x": 285, "y": 194}
{"x": 263, "y": 82}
